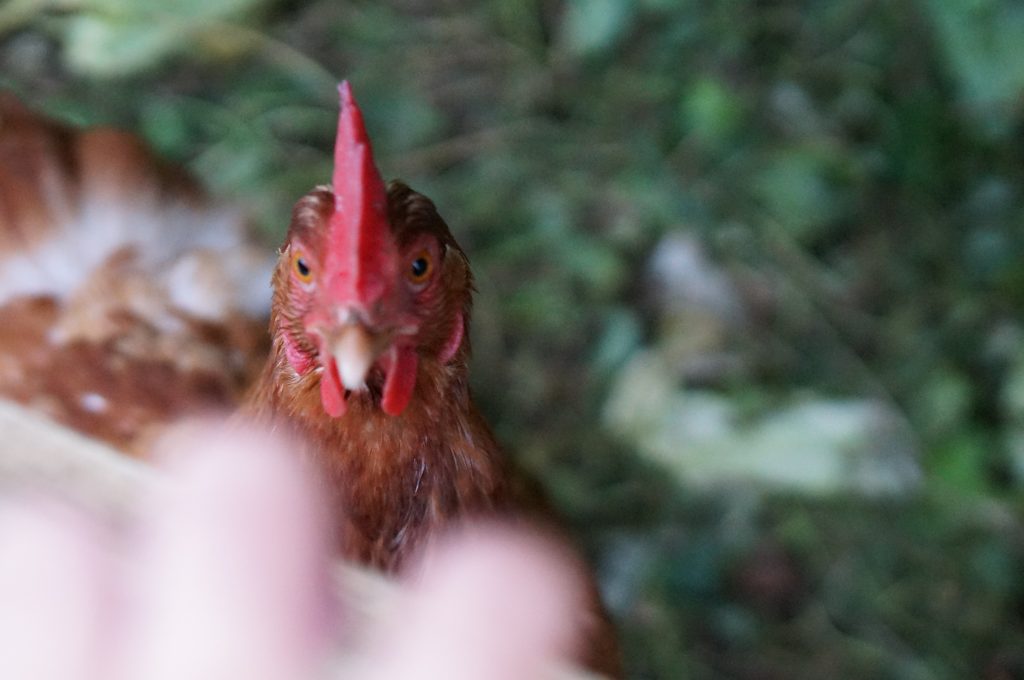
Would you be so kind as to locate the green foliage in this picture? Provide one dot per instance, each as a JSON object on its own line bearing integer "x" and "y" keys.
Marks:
{"x": 121, "y": 37}
{"x": 981, "y": 40}
{"x": 592, "y": 27}
{"x": 712, "y": 113}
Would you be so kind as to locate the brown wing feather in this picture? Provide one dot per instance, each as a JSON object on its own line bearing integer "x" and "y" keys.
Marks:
{"x": 126, "y": 296}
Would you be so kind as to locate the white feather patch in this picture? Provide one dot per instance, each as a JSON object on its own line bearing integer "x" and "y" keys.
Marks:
{"x": 201, "y": 257}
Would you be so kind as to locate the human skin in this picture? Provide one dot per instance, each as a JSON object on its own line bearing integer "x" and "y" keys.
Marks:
{"x": 226, "y": 571}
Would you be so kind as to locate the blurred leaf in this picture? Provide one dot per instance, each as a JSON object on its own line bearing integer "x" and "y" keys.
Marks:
{"x": 594, "y": 26}
{"x": 16, "y": 13}
{"x": 403, "y": 119}
{"x": 101, "y": 46}
{"x": 619, "y": 339}
{"x": 944, "y": 403}
{"x": 697, "y": 570}
{"x": 522, "y": 22}
{"x": 982, "y": 41}
{"x": 960, "y": 463}
{"x": 1012, "y": 395}
{"x": 165, "y": 127}
{"x": 711, "y": 111}
{"x": 995, "y": 569}
{"x": 794, "y": 188}
{"x": 814, "y": 446}
{"x": 119, "y": 37}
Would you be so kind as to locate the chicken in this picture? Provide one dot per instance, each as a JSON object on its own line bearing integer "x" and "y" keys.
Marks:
{"x": 368, "y": 367}
{"x": 127, "y": 299}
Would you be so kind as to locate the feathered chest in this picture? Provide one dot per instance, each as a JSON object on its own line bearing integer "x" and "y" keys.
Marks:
{"x": 395, "y": 480}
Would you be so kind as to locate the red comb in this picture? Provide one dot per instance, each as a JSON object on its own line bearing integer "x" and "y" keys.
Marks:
{"x": 361, "y": 254}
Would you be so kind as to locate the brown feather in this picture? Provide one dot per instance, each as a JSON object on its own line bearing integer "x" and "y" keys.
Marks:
{"x": 399, "y": 481}
{"x": 399, "y": 478}
{"x": 120, "y": 311}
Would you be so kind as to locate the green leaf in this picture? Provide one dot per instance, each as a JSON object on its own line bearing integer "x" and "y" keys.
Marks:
{"x": 983, "y": 41}
{"x": 961, "y": 463}
{"x": 591, "y": 27}
{"x": 794, "y": 187}
{"x": 710, "y": 111}
{"x": 116, "y": 37}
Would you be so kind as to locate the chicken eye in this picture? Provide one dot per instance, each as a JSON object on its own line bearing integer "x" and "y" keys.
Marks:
{"x": 302, "y": 268}
{"x": 421, "y": 267}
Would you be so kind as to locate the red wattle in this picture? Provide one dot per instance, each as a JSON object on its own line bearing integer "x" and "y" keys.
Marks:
{"x": 400, "y": 381}
{"x": 331, "y": 395}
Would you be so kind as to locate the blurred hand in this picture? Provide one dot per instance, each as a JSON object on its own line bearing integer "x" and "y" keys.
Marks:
{"x": 227, "y": 573}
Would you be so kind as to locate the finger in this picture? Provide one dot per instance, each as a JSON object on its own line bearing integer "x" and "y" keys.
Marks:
{"x": 233, "y": 573}
{"x": 492, "y": 603}
{"x": 54, "y": 569}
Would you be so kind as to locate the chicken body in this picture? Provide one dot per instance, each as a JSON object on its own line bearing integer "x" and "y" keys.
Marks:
{"x": 370, "y": 314}
{"x": 398, "y": 479}
{"x": 127, "y": 300}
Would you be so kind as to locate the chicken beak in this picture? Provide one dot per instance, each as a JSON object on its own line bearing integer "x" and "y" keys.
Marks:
{"x": 350, "y": 350}
{"x": 355, "y": 349}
